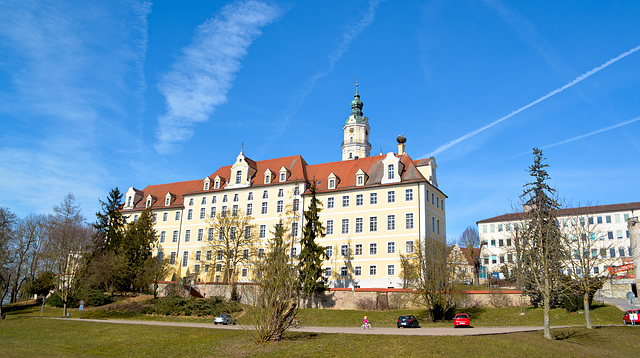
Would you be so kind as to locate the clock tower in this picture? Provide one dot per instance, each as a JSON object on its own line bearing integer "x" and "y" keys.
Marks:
{"x": 356, "y": 132}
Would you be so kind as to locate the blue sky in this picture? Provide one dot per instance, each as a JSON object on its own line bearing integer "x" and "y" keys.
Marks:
{"x": 100, "y": 94}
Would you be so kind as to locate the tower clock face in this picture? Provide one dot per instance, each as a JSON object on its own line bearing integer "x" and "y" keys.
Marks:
{"x": 351, "y": 130}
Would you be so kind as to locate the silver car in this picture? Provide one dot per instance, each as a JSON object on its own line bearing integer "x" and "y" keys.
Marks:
{"x": 224, "y": 319}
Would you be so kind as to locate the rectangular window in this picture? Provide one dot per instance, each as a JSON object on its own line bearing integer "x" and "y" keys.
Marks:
{"x": 247, "y": 232}
{"x": 373, "y": 248}
{"x": 163, "y": 235}
{"x": 212, "y": 213}
{"x": 493, "y": 243}
{"x": 245, "y": 272}
{"x": 279, "y": 206}
{"x": 508, "y": 242}
{"x": 190, "y": 214}
{"x": 408, "y": 195}
{"x": 208, "y": 255}
{"x": 160, "y": 255}
{"x": 391, "y": 222}
{"x": 373, "y": 224}
{"x": 343, "y": 271}
{"x": 603, "y": 252}
{"x": 344, "y": 250}
{"x": 373, "y": 270}
{"x": 608, "y": 219}
{"x": 177, "y": 216}
{"x": 438, "y": 226}
{"x": 261, "y": 253}
{"x": 494, "y": 259}
{"x": 621, "y": 252}
{"x": 510, "y": 258}
{"x": 358, "y": 249}
{"x": 218, "y": 269}
{"x": 187, "y": 235}
{"x": 224, "y": 198}
{"x": 409, "y": 221}
{"x": 373, "y": 198}
{"x": 345, "y": 201}
{"x": 330, "y": 203}
{"x": 203, "y": 213}
{"x": 263, "y": 231}
{"x": 219, "y": 255}
{"x": 281, "y": 192}
{"x": 250, "y": 196}
{"x": 172, "y": 258}
{"x": 185, "y": 258}
{"x": 359, "y": 199}
{"x": 328, "y": 251}
{"x": 391, "y": 196}
{"x": 249, "y": 209}
{"x": 391, "y": 247}
{"x": 165, "y": 216}
{"x": 612, "y": 252}
{"x": 296, "y": 191}
{"x": 210, "y": 234}
{"x": 500, "y": 242}
{"x": 596, "y": 270}
{"x": 610, "y": 235}
{"x": 263, "y": 210}
{"x": 265, "y": 194}
{"x": 234, "y": 210}
{"x": 599, "y": 219}
{"x": 486, "y": 260}
{"x": 200, "y": 234}
{"x": 174, "y": 238}
{"x": 294, "y": 252}
{"x": 245, "y": 254}
{"x": 345, "y": 226}
{"x": 296, "y": 205}
{"x": 391, "y": 270}
{"x": 198, "y": 255}
{"x": 359, "y": 224}
{"x": 223, "y": 212}
{"x": 357, "y": 271}
{"x": 327, "y": 272}
{"x": 408, "y": 247}
{"x": 329, "y": 227}
{"x": 294, "y": 229}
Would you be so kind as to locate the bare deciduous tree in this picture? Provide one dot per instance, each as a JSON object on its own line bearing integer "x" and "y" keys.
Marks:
{"x": 27, "y": 244}
{"x": 471, "y": 240}
{"x": 69, "y": 241}
{"x": 7, "y": 226}
{"x": 234, "y": 241}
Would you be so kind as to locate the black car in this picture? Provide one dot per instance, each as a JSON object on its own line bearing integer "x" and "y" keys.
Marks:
{"x": 408, "y": 321}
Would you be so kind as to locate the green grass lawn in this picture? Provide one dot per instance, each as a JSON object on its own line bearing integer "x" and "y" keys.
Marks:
{"x": 22, "y": 336}
{"x": 480, "y": 317}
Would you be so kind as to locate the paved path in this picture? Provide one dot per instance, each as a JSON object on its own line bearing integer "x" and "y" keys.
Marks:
{"x": 435, "y": 331}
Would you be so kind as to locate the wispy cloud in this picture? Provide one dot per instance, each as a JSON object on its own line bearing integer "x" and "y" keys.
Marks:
{"x": 204, "y": 73}
{"x": 72, "y": 69}
{"x": 577, "y": 80}
{"x": 592, "y": 133}
{"x": 348, "y": 36}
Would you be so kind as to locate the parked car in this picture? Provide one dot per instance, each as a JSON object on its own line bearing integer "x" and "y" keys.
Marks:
{"x": 408, "y": 321}
{"x": 461, "y": 320}
{"x": 224, "y": 319}
{"x": 631, "y": 317}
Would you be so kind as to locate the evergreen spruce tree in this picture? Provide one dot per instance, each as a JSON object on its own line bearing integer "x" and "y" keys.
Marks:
{"x": 110, "y": 223}
{"x": 311, "y": 280}
{"x": 139, "y": 240}
{"x": 541, "y": 244}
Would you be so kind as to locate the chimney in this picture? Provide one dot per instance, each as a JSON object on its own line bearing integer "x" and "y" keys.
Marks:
{"x": 401, "y": 140}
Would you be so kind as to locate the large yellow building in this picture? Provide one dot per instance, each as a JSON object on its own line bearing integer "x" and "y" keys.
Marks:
{"x": 374, "y": 209}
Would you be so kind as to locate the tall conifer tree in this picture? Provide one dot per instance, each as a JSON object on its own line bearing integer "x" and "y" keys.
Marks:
{"x": 311, "y": 279}
{"x": 110, "y": 223}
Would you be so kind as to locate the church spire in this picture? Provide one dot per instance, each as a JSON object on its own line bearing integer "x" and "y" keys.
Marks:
{"x": 356, "y": 131}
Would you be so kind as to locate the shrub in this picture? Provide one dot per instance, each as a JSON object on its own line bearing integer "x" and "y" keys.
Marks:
{"x": 179, "y": 306}
{"x": 97, "y": 298}
{"x": 54, "y": 300}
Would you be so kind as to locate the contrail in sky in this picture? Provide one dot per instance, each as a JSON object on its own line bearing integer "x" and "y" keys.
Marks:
{"x": 592, "y": 133}
{"x": 578, "y": 79}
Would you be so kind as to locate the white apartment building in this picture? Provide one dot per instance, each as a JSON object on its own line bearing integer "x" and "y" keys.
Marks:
{"x": 609, "y": 235}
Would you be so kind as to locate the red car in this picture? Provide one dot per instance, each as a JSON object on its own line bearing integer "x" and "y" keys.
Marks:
{"x": 631, "y": 317}
{"x": 461, "y": 320}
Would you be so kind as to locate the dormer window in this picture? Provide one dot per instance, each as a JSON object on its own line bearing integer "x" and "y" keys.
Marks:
{"x": 148, "y": 202}
{"x": 391, "y": 171}
{"x": 167, "y": 201}
{"x": 283, "y": 177}
{"x": 216, "y": 185}
{"x": 360, "y": 180}
{"x": 206, "y": 186}
{"x": 239, "y": 177}
{"x": 129, "y": 199}
{"x": 267, "y": 178}
{"x": 332, "y": 184}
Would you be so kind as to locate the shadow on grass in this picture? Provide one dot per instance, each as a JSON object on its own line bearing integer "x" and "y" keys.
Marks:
{"x": 567, "y": 333}
{"x": 21, "y": 307}
{"x": 296, "y": 336}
